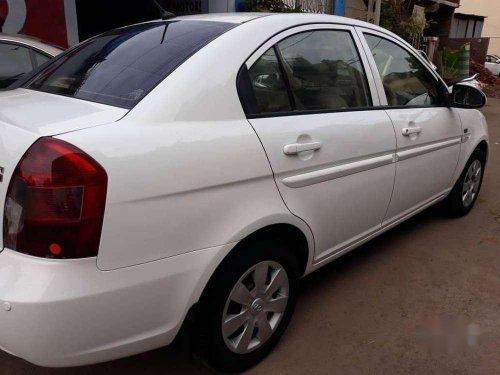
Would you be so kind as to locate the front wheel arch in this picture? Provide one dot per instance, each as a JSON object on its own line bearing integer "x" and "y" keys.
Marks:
{"x": 483, "y": 146}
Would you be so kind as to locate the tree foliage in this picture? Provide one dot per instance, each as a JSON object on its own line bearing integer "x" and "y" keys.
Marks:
{"x": 399, "y": 17}
{"x": 275, "y": 6}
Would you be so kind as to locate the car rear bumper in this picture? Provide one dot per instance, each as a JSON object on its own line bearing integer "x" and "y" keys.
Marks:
{"x": 59, "y": 313}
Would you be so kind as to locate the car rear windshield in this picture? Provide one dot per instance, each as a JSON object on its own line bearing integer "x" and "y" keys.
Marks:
{"x": 120, "y": 67}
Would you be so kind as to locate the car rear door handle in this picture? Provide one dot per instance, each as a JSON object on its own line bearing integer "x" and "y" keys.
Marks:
{"x": 295, "y": 148}
{"x": 413, "y": 130}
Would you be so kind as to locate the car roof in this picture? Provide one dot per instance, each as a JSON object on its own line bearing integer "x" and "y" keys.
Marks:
{"x": 290, "y": 19}
{"x": 224, "y": 17}
{"x": 32, "y": 42}
{"x": 242, "y": 17}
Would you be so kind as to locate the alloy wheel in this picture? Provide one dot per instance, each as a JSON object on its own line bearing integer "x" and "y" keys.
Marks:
{"x": 255, "y": 307}
{"x": 472, "y": 183}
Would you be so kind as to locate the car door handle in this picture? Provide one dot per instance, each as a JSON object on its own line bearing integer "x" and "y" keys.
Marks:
{"x": 295, "y": 148}
{"x": 412, "y": 130}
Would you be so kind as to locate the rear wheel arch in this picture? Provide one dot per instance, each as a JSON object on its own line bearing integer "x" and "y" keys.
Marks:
{"x": 285, "y": 244}
{"x": 293, "y": 237}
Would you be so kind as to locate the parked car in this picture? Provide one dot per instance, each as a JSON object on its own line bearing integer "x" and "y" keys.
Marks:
{"x": 194, "y": 169}
{"x": 20, "y": 55}
{"x": 493, "y": 64}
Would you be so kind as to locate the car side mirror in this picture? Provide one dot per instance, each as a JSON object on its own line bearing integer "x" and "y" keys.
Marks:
{"x": 467, "y": 96}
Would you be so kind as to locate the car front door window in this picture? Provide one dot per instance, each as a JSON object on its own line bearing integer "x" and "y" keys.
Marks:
{"x": 406, "y": 81}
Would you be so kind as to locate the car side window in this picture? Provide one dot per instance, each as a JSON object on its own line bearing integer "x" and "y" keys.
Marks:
{"x": 406, "y": 80}
{"x": 312, "y": 70}
{"x": 269, "y": 84}
{"x": 324, "y": 70}
{"x": 15, "y": 60}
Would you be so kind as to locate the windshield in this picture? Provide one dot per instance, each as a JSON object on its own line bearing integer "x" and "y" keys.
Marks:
{"x": 120, "y": 67}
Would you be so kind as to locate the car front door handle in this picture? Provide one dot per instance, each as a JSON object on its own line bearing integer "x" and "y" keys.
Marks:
{"x": 413, "y": 130}
{"x": 295, "y": 148}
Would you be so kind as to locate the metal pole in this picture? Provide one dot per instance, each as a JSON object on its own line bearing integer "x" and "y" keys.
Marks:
{"x": 369, "y": 13}
{"x": 378, "y": 5}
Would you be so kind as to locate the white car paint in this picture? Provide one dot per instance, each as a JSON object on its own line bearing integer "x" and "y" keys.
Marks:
{"x": 189, "y": 177}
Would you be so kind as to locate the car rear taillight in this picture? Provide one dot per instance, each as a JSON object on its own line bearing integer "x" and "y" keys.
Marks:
{"x": 55, "y": 202}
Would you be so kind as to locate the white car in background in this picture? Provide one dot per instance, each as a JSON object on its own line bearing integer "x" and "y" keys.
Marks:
{"x": 194, "y": 169}
{"x": 21, "y": 54}
{"x": 493, "y": 64}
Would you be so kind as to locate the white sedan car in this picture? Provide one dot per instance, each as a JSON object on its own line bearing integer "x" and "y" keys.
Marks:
{"x": 194, "y": 169}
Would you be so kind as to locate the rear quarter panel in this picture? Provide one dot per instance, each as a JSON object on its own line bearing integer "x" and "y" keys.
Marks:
{"x": 185, "y": 169}
{"x": 180, "y": 187}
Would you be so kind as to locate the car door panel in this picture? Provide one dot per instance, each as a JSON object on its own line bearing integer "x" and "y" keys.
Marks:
{"x": 334, "y": 168}
{"x": 426, "y": 161}
{"x": 342, "y": 190}
{"x": 428, "y": 133}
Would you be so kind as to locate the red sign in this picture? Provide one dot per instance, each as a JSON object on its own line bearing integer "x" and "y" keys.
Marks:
{"x": 44, "y": 19}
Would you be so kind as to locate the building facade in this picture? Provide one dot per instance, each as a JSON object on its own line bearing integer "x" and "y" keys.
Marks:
{"x": 491, "y": 28}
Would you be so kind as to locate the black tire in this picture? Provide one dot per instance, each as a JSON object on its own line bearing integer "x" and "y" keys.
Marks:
{"x": 454, "y": 204}
{"x": 213, "y": 303}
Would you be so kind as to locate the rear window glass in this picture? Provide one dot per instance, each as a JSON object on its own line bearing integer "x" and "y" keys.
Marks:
{"x": 120, "y": 67}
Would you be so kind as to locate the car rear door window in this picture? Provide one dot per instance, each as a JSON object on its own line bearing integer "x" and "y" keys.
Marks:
{"x": 407, "y": 82}
{"x": 325, "y": 71}
{"x": 269, "y": 84}
{"x": 310, "y": 71}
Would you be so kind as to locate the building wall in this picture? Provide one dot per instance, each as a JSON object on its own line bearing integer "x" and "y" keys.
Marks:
{"x": 490, "y": 9}
{"x": 356, "y": 9}
{"x": 466, "y": 27}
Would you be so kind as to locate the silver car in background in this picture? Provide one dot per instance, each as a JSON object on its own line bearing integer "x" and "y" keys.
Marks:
{"x": 21, "y": 54}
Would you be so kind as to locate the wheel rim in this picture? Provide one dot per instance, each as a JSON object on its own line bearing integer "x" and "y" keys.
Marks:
{"x": 255, "y": 307}
{"x": 471, "y": 183}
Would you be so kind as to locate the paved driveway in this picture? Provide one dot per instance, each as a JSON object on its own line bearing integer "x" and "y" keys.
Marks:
{"x": 422, "y": 299}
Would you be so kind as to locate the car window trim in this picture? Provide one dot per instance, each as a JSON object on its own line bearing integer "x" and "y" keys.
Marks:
{"x": 343, "y": 110}
{"x": 286, "y": 78}
{"x": 383, "y": 97}
{"x": 317, "y": 26}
